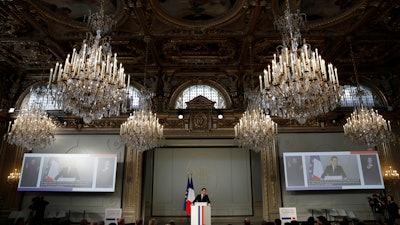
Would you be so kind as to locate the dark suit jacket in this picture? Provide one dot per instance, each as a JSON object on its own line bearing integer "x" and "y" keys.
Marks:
{"x": 204, "y": 199}
{"x": 337, "y": 172}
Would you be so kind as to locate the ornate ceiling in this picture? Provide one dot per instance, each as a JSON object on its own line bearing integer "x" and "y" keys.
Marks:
{"x": 197, "y": 40}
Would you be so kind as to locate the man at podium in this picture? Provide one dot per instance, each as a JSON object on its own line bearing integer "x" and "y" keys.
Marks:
{"x": 201, "y": 210}
{"x": 203, "y": 197}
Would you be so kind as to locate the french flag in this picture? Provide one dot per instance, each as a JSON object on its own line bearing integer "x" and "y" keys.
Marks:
{"x": 189, "y": 196}
{"x": 315, "y": 168}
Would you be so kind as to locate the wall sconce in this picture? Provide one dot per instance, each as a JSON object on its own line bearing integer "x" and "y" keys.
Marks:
{"x": 220, "y": 115}
{"x": 180, "y": 114}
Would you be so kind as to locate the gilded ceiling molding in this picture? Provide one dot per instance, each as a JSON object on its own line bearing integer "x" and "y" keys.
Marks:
{"x": 199, "y": 52}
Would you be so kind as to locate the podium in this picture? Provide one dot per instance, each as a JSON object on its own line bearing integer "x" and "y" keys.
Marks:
{"x": 200, "y": 214}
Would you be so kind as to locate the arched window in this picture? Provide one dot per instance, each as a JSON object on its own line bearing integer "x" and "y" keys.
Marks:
{"x": 133, "y": 95}
{"x": 40, "y": 94}
{"x": 350, "y": 98}
{"x": 197, "y": 90}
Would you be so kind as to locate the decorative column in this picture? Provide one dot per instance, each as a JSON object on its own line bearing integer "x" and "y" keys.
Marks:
{"x": 270, "y": 183}
{"x": 389, "y": 169}
{"x": 11, "y": 158}
{"x": 132, "y": 185}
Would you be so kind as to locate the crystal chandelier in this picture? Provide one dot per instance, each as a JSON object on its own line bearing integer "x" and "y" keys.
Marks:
{"x": 142, "y": 130}
{"x": 14, "y": 176}
{"x": 391, "y": 174}
{"x": 32, "y": 129}
{"x": 255, "y": 130}
{"x": 298, "y": 85}
{"x": 365, "y": 125}
{"x": 91, "y": 84}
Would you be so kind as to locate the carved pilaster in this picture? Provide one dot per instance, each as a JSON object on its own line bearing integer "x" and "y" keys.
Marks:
{"x": 132, "y": 183}
{"x": 270, "y": 183}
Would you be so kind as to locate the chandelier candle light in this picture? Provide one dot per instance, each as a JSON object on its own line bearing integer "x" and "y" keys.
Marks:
{"x": 391, "y": 174}
{"x": 91, "y": 85}
{"x": 14, "y": 176}
{"x": 298, "y": 85}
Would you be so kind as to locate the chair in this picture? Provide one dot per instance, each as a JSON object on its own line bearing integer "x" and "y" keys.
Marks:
{"x": 333, "y": 213}
{"x": 352, "y": 217}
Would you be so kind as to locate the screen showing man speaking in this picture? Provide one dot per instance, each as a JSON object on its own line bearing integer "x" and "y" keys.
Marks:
{"x": 68, "y": 172}
{"x": 332, "y": 170}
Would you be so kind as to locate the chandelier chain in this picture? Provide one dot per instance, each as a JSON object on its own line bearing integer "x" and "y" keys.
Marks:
{"x": 359, "y": 92}
{"x": 146, "y": 58}
{"x": 365, "y": 125}
{"x": 255, "y": 130}
{"x": 142, "y": 130}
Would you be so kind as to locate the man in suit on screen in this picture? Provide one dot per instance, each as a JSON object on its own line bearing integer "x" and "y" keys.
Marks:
{"x": 334, "y": 169}
{"x": 69, "y": 171}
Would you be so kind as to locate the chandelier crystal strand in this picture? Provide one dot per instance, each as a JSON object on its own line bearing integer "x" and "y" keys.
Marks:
{"x": 32, "y": 129}
{"x": 298, "y": 84}
{"x": 142, "y": 130}
{"x": 91, "y": 84}
{"x": 255, "y": 130}
{"x": 365, "y": 125}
